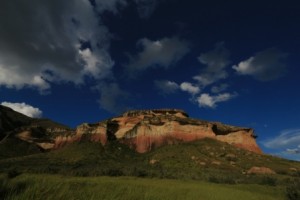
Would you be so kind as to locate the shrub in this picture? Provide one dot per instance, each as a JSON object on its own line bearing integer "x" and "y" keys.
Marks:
{"x": 293, "y": 190}
{"x": 13, "y": 173}
{"x": 226, "y": 180}
{"x": 6, "y": 188}
{"x": 3, "y": 187}
{"x": 115, "y": 172}
{"x": 267, "y": 180}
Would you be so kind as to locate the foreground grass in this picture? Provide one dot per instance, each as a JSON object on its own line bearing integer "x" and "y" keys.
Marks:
{"x": 32, "y": 186}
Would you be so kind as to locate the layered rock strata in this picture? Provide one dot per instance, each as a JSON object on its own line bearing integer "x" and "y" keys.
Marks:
{"x": 144, "y": 130}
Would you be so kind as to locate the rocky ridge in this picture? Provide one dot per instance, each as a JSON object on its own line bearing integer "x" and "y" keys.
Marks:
{"x": 142, "y": 130}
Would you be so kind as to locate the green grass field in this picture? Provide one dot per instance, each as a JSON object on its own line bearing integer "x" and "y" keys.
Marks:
{"x": 88, "y": 170}
{"x": 32, "y": 186}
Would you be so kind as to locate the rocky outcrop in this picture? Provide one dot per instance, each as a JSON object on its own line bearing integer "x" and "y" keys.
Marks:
{"x": 147, "y": 129}
{"x": 41, "y": 133}
{"x": 142, "y": 130}
{"x": 260, "y": 170}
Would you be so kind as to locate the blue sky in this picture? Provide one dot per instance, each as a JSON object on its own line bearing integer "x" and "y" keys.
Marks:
{"x": 84, "y": 61}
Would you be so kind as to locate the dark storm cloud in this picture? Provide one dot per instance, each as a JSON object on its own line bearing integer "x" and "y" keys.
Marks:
{"x": 266, "y": 65}
{"x": 146, "y": 7}
{"x": 41, "y": 43}
{"x": 109, "y": 5}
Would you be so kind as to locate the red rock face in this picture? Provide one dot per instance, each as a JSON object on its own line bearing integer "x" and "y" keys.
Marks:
{"x": 148, "y": 129}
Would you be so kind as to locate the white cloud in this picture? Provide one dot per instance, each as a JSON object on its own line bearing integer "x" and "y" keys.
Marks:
{"x": 219, "y": 88}
{"x": 216, "y": 61}
{"x": 287, "y": 139}
{"x": 41, "y": 42}
{"x": 190, "y": 88}
{"x": 208, "y": 101}
{"x": 12, "y": 78}
{"x": 24, "y": 109}
{"x": 167, "y": 87}
{"x": 92, "y": 63}
{"x": 164, "y": 52}
{"x": 286, "y": 144}
{"x": 293, "y": 151}
{"x": 264, "y": 66}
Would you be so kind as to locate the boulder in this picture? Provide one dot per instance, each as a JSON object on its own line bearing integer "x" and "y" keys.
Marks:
{"x": 260, "y": 170}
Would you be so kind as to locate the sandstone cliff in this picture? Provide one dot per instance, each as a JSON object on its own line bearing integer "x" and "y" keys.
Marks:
{"x": 144, "y": 130}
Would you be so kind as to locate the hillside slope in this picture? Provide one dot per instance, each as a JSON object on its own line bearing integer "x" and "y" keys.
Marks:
{"x": 172, "y": 145}
{"x": 206, "y": 159}
{"x": 21, "y": 135}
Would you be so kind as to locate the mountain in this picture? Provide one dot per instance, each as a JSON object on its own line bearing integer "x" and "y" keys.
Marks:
{"x": 144, "y": 130}
{"x": 141, "y": 130}
{"x": 21, "y": 135}
{"x": 162, "y": 143}
{"x": 10, "y": 120}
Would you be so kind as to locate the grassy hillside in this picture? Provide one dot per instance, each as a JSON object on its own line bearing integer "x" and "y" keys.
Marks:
{"x": 207, "y": 160}
{"x": 204, "y": 169}
{"x": 13, "y": 147}
{"x": 12, "y": 123}
{"x": 31, "y": 186}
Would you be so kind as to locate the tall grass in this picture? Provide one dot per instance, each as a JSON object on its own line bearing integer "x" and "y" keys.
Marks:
{"x": 47, "y": 187}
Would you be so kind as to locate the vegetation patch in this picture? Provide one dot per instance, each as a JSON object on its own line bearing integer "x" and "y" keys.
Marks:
{"x": 32, "y": 186}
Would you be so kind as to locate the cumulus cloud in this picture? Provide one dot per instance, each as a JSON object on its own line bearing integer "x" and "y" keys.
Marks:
{"x": 190, "y": 88}
{"x": 215, "y": 61}
{"x": 146, "y": 7}
{"x": 166, "y": 87}
{"x": 264, "y": 66}
{"x": 164, "y": 52}
{"x": 112, "y": 97}
{"x": 41, "y": 42}
{"x": 209, "y": 101}
{"x": 24, "y": 108}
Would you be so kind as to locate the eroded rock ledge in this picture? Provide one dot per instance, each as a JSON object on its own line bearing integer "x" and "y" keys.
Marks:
{"x": 144, "y": 130}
